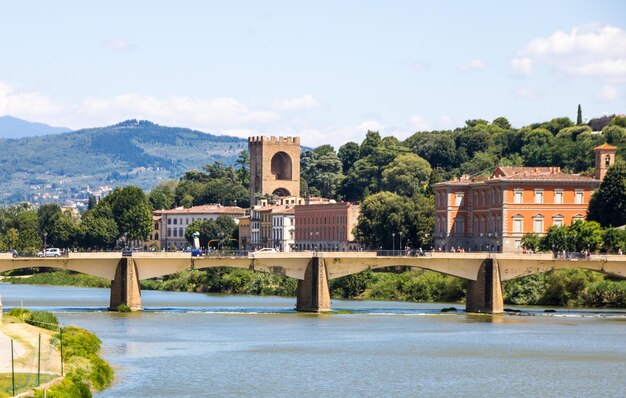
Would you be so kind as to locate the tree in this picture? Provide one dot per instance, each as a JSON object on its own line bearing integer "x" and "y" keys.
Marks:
{"x": 502, "y": 122}
{"x": 219, "y": 231}
{"x": 348, "y": 154}
{"x": 579, "y": 116}
{"x": 608, "y": 204}
{"x": 243, "y": 161}
{"x": 614, "y": 239}
{"x": 372, "y": 140}
{"x": 407, "y": 175}
{"x": 131, "y": 212}
{"x": 385, "y": 214}
{"x": 163, "y": 196}
{"x": 585, "y": 235}
{"x": 98, "y": 232}
{"x": 530, "y": 241}
{"x": 322, "y": 170}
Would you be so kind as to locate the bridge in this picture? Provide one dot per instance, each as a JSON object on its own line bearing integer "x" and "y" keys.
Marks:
{"x": 484, "y": 271}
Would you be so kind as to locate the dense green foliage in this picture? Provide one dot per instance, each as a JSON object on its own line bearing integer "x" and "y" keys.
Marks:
{"x": 581, "y": 236}
{"x": 225, "y": 280}
{"x": 219, "y": 233}
{"x": 61, "y": 278}
{"x": 573, "y": 288}
{"x": 85, "y": 369}
{"x": 42, "y": 319}
{"x": 416, "y": 285}
{"x": 608, "y": 203}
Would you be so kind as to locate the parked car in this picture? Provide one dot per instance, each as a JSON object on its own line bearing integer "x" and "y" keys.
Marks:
{"x": 50, "y": 252}
{"x": 196, "y": 252}
{"x": 267, "y": 250}
{"x": 127, "y": 251}
{"x": 13, "y": 252}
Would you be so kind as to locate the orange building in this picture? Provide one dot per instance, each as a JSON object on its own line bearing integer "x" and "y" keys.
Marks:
{"x": 326, "y": 226}
{"x": 494, "y": 214}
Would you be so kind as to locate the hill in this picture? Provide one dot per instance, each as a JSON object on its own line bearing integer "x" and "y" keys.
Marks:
{"x": 69, "y": 165}
{"x": 12, "y": 127}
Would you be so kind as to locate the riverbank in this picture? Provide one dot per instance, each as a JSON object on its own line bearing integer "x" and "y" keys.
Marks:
{"x": 570, "y": 288}
{"x": 31, "y": 358}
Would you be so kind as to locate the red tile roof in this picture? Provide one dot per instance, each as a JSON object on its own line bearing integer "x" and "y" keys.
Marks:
{"x": 204, "y": 209}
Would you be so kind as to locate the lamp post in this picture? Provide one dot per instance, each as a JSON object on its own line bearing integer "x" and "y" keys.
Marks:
{"x": 400, "y": 240}
{"x": 393, "y": 243}
{"x": 45, "y": 236}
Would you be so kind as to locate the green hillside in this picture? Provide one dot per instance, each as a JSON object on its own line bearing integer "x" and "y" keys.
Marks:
{"x": 138, "y": 153}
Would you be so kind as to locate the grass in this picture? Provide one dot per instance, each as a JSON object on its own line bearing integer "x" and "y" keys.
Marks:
{"x": 23, "y": 382}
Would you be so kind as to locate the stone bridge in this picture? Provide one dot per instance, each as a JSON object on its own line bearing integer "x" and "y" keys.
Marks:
{"x": 484, "y": 271}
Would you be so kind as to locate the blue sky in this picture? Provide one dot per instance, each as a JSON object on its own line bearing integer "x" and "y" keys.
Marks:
{"x": 325, "y": 70}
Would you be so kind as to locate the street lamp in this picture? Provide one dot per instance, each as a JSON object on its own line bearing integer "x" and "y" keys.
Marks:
{"x": 393, "y": 242}
{"x": 45, "y": 236}
{"x": 400, "y": 240}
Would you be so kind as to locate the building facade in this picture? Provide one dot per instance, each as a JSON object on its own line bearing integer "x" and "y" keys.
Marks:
{"x": 494, "y": 214}
{"x": 326, "y": 226}
{"x": 174, "y": 222}
{"x": 274, "y": 167}
{"x": 284, "y": 229}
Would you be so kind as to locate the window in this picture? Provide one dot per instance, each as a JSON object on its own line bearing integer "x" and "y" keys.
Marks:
{"x": 169, "y": 232}
{"x": 459, "y": 226}
{"x": 538, "y": 224}
{"x": 558, "y": 196}
{"x": 175, "y": 221}
{"x": 458, "y": 198}
{"x": 169, "y": 221}
{"x": 518, "y": 196}
{"x": 518, "y": 224}
{"x": 578, "y": 196}
{"x": 557, "y": 220}
{"x": 538, "y": 196}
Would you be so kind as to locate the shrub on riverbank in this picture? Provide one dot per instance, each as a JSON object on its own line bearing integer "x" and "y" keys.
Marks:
{"x": 417, "y": 285}
{"x": 42, "y": 319}
{"x": 225, "y": 280}
{"x": 85, "y": 370}
{"x": 60, "y": 278}
{"x": 575, "y": 287}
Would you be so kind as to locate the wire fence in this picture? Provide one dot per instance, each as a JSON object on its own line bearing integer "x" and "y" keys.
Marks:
{"x": 30, "y": 360}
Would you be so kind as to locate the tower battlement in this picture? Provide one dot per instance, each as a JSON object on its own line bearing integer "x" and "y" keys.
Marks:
{"x": 274, "y": 140}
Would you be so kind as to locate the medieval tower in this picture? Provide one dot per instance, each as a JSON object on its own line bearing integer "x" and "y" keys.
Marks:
{"x": 274, "y": 166}
{"x": 605, "y": 158}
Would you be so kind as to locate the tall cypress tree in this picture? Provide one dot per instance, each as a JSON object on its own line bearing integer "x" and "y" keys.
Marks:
{"x": 579, "y": 118}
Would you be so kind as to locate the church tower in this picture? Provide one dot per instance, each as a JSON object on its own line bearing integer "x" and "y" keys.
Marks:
{"x": 274, "y": 166}
{"x": 605, "y": 158}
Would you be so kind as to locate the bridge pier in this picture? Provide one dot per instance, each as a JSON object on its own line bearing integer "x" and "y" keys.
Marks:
{"x": 485, "y": 293}
{"x": 125, "y": 287}
{"x": 313, "y": 294}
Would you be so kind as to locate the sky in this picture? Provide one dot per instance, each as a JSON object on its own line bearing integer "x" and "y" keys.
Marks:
{"x": 327, "y": 71}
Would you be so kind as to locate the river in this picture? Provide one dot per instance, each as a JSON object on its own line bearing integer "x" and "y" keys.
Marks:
{"x": 200, "y": 345}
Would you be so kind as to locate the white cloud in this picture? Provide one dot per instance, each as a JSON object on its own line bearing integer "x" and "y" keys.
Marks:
{"x": 418, "y": 123}
{"x": 608, "y": 93}
{"x": 522, "y": 65}
{"x": 528, "y": 92}
{"x": 118, "y": 45}
{"x": 474, "y": 64}
{"x": 296, "y": 104}
{"x": 593, "y": 50}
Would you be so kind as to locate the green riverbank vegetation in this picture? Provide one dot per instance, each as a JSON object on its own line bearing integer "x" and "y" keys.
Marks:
{"x": 84, "y": 370}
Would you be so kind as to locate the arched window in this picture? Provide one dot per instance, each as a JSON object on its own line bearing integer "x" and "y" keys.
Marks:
{"x": 281, "y": 166}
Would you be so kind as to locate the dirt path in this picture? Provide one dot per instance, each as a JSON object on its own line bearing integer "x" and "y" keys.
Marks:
{"x": 25, "y": 344}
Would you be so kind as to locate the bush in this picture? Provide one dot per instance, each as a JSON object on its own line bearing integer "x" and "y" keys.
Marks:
{"x": 43, "y": 319}
{"x": 20, "y": 313}
{"x": 123, "y": 308}
{"x": 79, "y": 342}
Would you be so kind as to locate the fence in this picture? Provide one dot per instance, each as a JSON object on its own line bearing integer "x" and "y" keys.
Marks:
{"x": 28, "y": 360}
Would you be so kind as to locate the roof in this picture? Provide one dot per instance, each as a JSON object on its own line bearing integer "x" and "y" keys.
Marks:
{"x": 287, "y": 211}
{"x": 606, "y": 147}
{"x": 204, "y": 209}
{"x": 522, "y": 174}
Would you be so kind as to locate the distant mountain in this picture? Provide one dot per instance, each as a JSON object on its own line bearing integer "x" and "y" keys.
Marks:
{"x": 12, "y": 127}
{"x": 64, "y": 166}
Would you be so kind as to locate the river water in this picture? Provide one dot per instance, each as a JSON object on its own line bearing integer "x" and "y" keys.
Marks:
{"x": 199, "y": 345}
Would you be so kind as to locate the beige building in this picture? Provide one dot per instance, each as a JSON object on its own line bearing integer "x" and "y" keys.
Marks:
{"x": 174, "y": 222}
